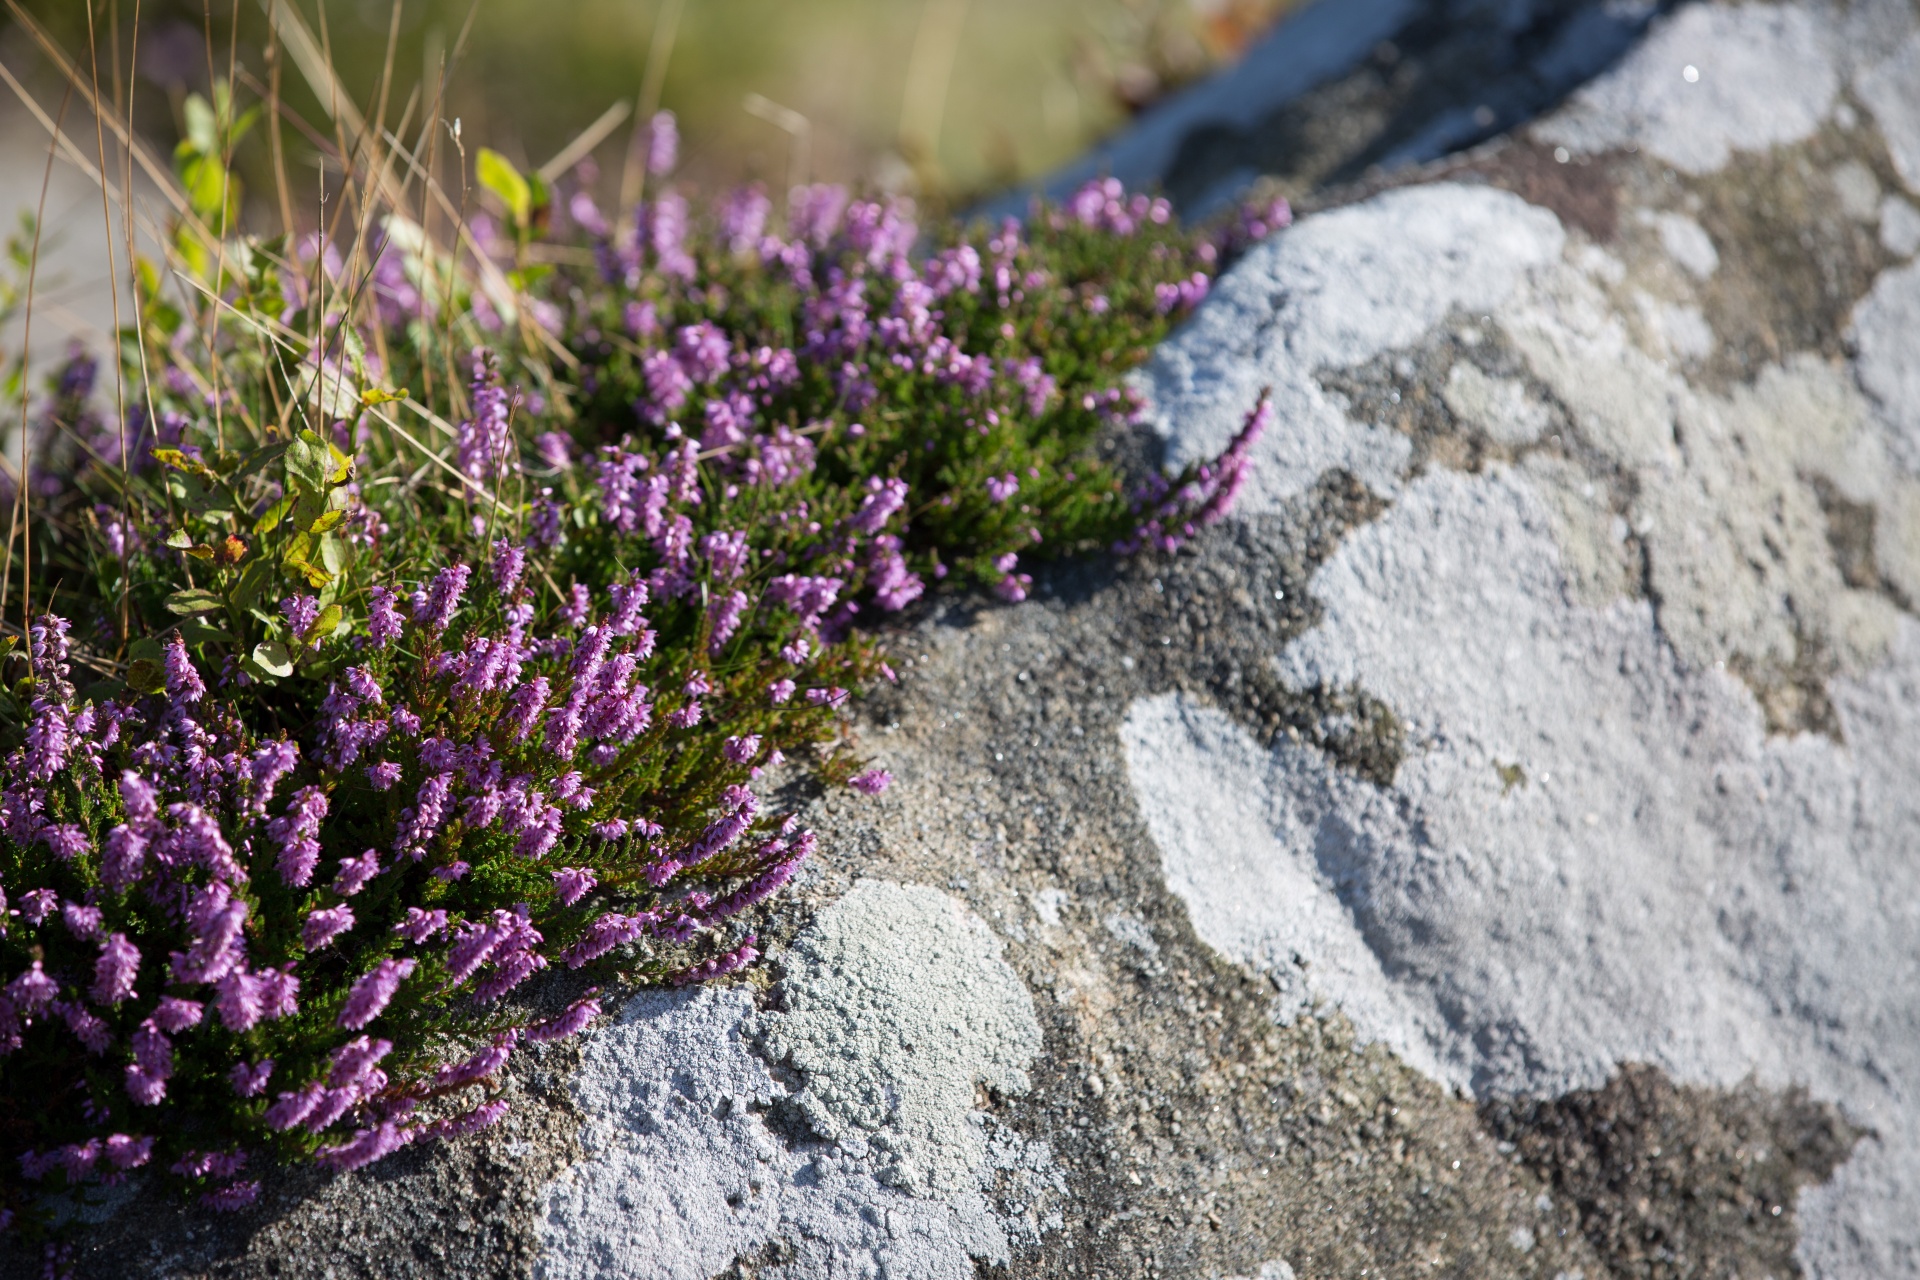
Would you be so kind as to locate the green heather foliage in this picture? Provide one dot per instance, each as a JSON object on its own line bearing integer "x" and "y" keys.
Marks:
{"x": 426, "y": 616}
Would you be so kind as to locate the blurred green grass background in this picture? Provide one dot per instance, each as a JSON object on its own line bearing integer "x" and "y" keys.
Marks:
{"x": 944, "y": 98}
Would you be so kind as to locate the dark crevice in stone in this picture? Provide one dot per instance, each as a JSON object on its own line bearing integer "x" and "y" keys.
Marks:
{"x": 1793, "y": 696}
{"x": 1674, "y": 1182}
{"x": 1852, "y": 528}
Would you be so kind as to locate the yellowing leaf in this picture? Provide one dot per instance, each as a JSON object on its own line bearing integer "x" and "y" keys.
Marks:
{"x": 325, "y": 625}
{"x": 181, "y": 462}
{"x": 497, "y": 174}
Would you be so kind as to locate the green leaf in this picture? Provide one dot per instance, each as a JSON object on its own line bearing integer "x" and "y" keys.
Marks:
{"x": 144, "y": 675}
{"x": 179, "y": 539}
{"x": 325, "y": 625}
{"x": 316, "y": 577}
{"x": 374, "y": 397}
{"x": 202, "y": 128}
{"x": 272, "y": 516}
{"x": 271, "y": 656}
{"x": 194, "y": 600}
{"x": 333, "y": 553}
{"x": 326, "y": 521}
{"x": 255, "y": 579}
{"x": 307, "y": 462}
{"x": 194, "y": 631}
{"x": 256, "y": 459}
{"x": 497, "y": 174}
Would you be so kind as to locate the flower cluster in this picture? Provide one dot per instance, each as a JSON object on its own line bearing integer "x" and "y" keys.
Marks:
{"x": 346, "y": 746}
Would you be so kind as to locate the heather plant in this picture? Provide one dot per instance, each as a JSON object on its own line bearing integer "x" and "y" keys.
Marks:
{"x": 429, "y": 613}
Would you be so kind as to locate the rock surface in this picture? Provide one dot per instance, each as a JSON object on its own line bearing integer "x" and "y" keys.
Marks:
{"x": 1493, "y": 851}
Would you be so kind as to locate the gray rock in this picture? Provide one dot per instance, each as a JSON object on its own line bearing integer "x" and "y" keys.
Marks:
{"x": 897, "y": 1007}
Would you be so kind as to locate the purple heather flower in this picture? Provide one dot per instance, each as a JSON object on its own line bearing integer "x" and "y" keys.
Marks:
{"x": 250, "y": 1081}
{"x": 87, "y": 1029}
{"x": 666, "y": 227}
{"x": 125, "y": 1152}
{"x": 66, "y": 840}
{"x": 478, "y": 1067}
{"x": 279, "y": 992}
{"x": 872, "y": 782}
{"x": 603, "y": 935}
{"x": 82, "y": 922}
{"x": 114, "y": 972}
{"x": 743, "y": 219}
{"x": 291, "y": 1109}
{"x": 780, "y": 690}
{"x": 813, "y": 213}
{"x": 139, "y": 799}
{"x": 173, "y": 1015}
{"x": 724, "y": 617}
{"x": 383, "y": 617}
{"x": 453, "y": 871}
{"x": 366, "y": 1146}
{"x": 373, "y": 991}
{"x": 421, "y": 822}
{"x": 686, "y": 717}
{"x": 32, "y": 990}
{"x": 124, "y": 859}
{"x": 233, "y": 1197}
{"x": 362, "y": 685}
{"x": 509, "y": 562}
{"x": 484, "y": 442}
{"x": 143, "y": 1086}
{"x": 741, "y": 749}
{"x": 300, "y": 613}
{"x": 421, "y": 924}
{"x": 270, "y": 764}
{"x": 571, "y": 1023}
{"x": 555, "y": 449}
{"x": 806, "y": 596}
{"x": 354, "y": 873}
{"x": 324, "y": 924}
{"x": 467, "y": 1122}
{"x": 721, "y": 965}
{"x": 883, "y": 499}
{"x": 296, "y": 833}
{"x": 663, "y": 144}
{"x": 183, "y": 682}
{"x": 434, "y": 608}
{"x": 570, "y": 884}
{"x": 383, "y": 775}
{"x": 611, "y": 829}
{"x": 1000, "y": 488}
{"x": 509, "y": 971}
{"x": 37, "y": 904}
{"x": 238, "y": 1000}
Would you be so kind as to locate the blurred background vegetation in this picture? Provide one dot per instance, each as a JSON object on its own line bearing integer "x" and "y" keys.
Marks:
{"x": 945, "y": 99}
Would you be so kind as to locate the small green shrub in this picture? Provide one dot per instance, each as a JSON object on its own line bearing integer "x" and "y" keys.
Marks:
{"x": 426, "y": 618}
